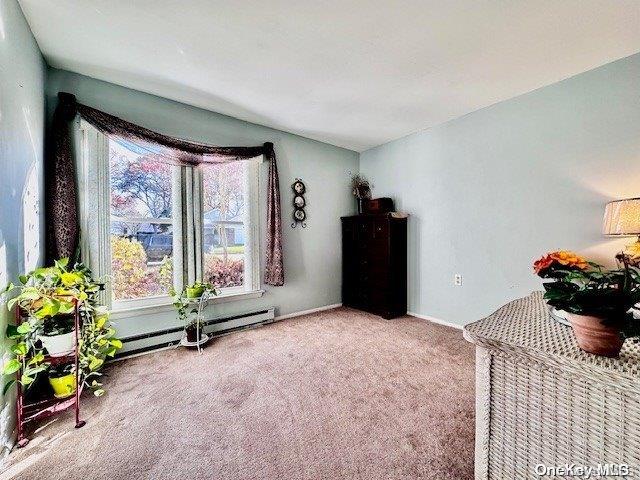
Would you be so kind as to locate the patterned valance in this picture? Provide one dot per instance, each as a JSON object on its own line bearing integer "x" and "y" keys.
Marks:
{"x": 62, "y": 212}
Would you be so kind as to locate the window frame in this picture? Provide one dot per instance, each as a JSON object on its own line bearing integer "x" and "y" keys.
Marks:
{"x": 187, "y": 211}
{"x": 251, "y": 223}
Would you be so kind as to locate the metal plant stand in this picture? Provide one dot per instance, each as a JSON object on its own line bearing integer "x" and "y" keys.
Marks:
{"x": 48, "y": 407}
{"x": 202, "y": 337}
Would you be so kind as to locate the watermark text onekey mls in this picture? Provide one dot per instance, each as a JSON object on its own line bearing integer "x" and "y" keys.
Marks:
{"x": 583, "y": 471}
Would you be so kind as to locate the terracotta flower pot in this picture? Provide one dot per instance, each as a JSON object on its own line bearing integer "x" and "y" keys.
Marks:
{"x": 595, "y": 337}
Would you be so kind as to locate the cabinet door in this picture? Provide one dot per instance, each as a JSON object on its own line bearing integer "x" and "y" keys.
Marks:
{"x": 350, "y": 261}
{"x": 365, "y": 231}
{"x": 380, "y": 230}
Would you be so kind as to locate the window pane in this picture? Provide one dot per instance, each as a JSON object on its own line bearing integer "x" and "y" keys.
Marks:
{"x": 141, "y": 224}
{"x": 224, "y": 216}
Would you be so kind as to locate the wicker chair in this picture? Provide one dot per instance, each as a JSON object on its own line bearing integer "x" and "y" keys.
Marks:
{"x": 540, "y": 400}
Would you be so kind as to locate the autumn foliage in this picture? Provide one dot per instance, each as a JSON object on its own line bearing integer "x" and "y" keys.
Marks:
{"x": 223, "y": 274}
{"x": 131, "y": 277}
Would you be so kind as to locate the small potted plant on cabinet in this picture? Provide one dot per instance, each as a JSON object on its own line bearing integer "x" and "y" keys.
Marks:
{"x": 597, "y": 301}
{"x": 361, "y": 189}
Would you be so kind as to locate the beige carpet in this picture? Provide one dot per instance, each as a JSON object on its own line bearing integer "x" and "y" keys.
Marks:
{"x": 335, "y": 395}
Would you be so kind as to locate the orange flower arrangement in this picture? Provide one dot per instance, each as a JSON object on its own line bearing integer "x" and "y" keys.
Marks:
{"x": 565, "y": 258}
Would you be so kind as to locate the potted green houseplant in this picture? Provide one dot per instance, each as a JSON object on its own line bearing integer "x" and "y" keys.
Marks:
{"x": 189, "y": 304}
{"x": 196, "y": 290}
{"x": 62, "y": 379}
{"x": 97, "y": 343}
{"x": 597, "y": 301}
{"x": 58, "y": 335}
{"x": 193, "y": 330}
{"x": 47, "y": 298}
{"x": 49, "y": 291}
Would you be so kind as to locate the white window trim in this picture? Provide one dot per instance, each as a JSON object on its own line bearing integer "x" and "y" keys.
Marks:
{"x": 94, "y": 196}
{"x": 168, "y": 306}
{"x": 252, "y": 227}
{"x": 94, "y": 193}
{"x": 252, "y": 230}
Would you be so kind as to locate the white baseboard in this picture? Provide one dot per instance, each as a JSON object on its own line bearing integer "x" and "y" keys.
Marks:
{"x": 125, "y": 356}
{"x": 307, "y": 312}
{"x": 436, "y": 320}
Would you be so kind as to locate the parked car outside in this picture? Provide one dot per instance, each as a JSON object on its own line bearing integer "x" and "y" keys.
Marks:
{"x": 157, "y": 246}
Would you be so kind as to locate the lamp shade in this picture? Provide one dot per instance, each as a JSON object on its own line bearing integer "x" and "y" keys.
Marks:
{"x": 622, "y": 217}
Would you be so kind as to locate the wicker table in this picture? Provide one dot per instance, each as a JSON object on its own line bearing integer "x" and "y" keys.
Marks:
{"x": 542, "y": 400}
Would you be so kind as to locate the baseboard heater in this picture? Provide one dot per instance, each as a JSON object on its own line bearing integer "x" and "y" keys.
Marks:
{"x": 145, "y": 342}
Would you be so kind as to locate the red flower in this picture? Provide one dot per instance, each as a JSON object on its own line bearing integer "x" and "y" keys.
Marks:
{"x": 542, "y": 264}
{"x": 564, "y": 258}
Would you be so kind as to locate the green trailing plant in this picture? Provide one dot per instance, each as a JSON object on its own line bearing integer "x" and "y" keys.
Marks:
{"x": 58, "y": 371}
{"x": 97, "y": 343}
{"x": 24, "y": 355}
{"x": 46, "y": 297}
{"x": 58, "y": 325}
{"x": 188, "y": 311}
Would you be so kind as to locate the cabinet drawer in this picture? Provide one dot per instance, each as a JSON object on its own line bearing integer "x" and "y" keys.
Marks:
{"x": 375, "y": 265}
{"x": 380, "y": 230}
{"x": 372, "y": 297}
{"x": 373, "y": 234}
{"x": 365, "y": 230}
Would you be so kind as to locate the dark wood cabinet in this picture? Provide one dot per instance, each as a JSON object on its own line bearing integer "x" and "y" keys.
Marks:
{"x": 374, "y": 264}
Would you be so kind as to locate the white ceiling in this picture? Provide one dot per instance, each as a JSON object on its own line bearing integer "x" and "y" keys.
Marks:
{"x": 353, "y": 73}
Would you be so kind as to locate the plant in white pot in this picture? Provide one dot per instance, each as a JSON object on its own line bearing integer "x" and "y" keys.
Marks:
{"x": 597, "y": 301}
{"x": 57, "y": 335}
{"x": 47, "y": 297}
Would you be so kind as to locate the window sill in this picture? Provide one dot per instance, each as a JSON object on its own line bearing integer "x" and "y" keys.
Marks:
{"x": 167, "y": 306}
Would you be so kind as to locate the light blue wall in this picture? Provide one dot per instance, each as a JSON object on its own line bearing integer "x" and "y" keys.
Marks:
{"x": 493, "y": 190}
{"x": 312, "y": 255}
{"x": 22, "y": 79}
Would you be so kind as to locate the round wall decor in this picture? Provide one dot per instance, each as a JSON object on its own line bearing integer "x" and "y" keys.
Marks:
{"x": 299, "y": 202}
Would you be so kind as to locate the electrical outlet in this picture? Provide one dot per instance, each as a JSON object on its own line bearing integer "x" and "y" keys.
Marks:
{"x": 457, "y": 280}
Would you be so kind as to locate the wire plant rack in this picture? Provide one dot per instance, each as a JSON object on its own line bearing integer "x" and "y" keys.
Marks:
{"x": 202, "y": 338}
{"x": 37, "y": 409}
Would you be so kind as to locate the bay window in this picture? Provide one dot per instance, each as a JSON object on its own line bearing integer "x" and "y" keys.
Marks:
{"x": 149, "y": 225}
